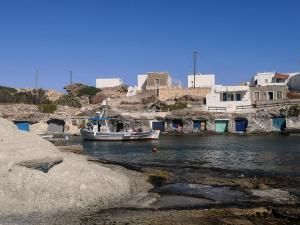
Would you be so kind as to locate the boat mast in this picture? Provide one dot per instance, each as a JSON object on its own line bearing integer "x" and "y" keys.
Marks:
{"x": 106, "y": 124}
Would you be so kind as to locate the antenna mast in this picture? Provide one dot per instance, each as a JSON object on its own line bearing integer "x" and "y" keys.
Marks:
{"x": 71, "y": 77}
{"x": 195, "y": 58}
{"x": 36, "y": 86}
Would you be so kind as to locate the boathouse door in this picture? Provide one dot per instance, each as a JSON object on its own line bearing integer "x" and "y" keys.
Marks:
{"x": 279, "y": 123}
{"x": 22, "y": 125}
{"x": 241, "y": 125}
{"x": 158, "y": 125}
{"x": 221, "y": 126}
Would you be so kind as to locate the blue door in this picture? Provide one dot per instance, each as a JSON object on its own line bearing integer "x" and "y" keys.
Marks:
{"x": 196, "y": 124}
{"x": 158, "y": 125}
{"x": 241, "y": 124}
{"x": 22, "y": 125}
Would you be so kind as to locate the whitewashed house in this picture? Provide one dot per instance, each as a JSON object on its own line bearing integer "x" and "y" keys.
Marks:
{"x": 108, "y": 82}
{"x": 228, "y": 98}
{"x": 201, "y": 80}
{"x": 294, "y": 81}
{"x": 269, "y": 78}
{"x": 142, "y": 82}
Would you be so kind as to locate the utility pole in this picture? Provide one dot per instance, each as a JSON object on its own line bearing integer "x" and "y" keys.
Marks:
{"x": 195, "y": 58}
{"x": 71, "y": 77}
{"x": 36, "y": 86}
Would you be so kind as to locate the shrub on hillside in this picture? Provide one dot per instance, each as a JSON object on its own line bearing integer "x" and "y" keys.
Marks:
{"x": 88, "y": 91}
{"x": 48, "y": 108}
{"x": 12, "y": 95}
{"x": 294, "y": 111}
{"x": 173, "y": 107}
{"x": 69, "y": 100}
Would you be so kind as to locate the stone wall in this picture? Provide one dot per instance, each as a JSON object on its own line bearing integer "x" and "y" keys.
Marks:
{"x": 171, "y": 93}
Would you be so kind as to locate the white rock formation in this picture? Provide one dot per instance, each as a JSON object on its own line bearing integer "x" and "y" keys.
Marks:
{"x": 73, "y": 183}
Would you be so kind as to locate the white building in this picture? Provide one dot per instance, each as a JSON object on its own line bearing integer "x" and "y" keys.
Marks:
{"x": 132, "y": 90}
{"x": 142, "y": 82}
{"x": 269, "y": 78}
{"x": 108, "y": 82}
{"x": 201, "y": 80}
{"x": 228, "y": 98}
{"x": 294, "y": 81}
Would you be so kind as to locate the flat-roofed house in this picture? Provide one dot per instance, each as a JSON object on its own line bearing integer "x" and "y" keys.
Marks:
{"x": 158, "y": 80}
{"x": 268, "y": 94}
{"x": 294, "y": 81}
{"x": 269, "y": 78}
{"x": 269, "y": 87}
{"x": 108, "y": 82}
{"x": 228, "y": 98}
{"x": 201, "y": 80}
{"x": 154, "y": 81}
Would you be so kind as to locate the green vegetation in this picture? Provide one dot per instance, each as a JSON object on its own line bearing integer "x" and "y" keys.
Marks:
{"x": 12, "y": 95}
{"x": 176, "y": 106}
{"x": 294, "y": 110}
{"x": 48, "y": 108}
{"x": 88, "y": 91}
{"x": 69, "y": 100}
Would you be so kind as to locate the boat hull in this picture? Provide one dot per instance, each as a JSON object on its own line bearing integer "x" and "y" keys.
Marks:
{"x": 119, "y": 136}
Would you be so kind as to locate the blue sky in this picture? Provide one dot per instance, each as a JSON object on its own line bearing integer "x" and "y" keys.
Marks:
{"x": 95, "y": 38}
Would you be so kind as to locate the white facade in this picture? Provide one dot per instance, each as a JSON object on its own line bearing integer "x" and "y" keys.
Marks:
{"x": 142, "y": 82}
{"x": 201, "y": 80}
{"x": 228, "y": 98}
{"x": 131, "y": 91}
{"x": 108, "y": 82}
{"x": 294, "y": 81}
{"x": 267, "y": 78}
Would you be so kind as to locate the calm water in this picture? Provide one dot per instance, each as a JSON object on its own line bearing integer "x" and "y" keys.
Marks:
{"x": 279, "y": 154}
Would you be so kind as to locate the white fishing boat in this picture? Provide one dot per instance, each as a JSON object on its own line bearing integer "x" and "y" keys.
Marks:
{"x": 119, "y": 136}
{"x": 101, "y": 130}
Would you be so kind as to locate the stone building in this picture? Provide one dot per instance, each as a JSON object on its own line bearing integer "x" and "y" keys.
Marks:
{"x": 268, "y": 94}
{"x": 154, "y": 81}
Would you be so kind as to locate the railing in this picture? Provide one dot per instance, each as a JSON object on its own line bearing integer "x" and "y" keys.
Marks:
{"x": 244, "y": 107}
{"x": 217, "y": 109}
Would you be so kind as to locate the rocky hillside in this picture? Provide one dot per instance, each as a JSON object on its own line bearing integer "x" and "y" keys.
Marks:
{"x": 82, "y": 95}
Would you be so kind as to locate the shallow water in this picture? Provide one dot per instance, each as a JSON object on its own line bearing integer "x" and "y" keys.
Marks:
{"x": 271, "y": 153}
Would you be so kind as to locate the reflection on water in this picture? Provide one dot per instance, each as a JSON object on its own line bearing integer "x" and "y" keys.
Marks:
{"x": 269, "y": 153}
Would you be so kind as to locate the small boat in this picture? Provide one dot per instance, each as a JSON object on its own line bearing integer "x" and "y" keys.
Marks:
{"x": 119, "y": 136}
{"x": 102, "y": 131}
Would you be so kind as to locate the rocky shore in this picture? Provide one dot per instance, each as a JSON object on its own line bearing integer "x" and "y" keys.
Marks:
{"x": 43, "y": 185}
{"x": 37, "y": 178}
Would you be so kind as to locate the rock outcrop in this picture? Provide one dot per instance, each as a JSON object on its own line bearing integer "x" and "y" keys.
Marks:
{"x": 36, "y": 177}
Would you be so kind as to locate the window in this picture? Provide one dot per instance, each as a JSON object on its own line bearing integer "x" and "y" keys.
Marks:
{"x": 270, "y": 95}
{"x": 279, "y": 94}
{"x": 231, "y": 96}
{"x": 256, "y": 95}
{"x": 157, "y": 81}
{"x": 224, "y": 97}
{"x": 238, "y": 97}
